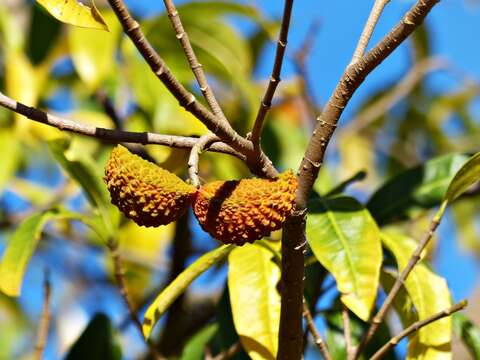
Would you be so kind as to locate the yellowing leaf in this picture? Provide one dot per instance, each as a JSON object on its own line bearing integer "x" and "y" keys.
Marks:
{"x": 75, "y": 13}
{"x": 464, "y": 178}
{"x": 346, "y": 241}
{"x": 255, "y": 301}
{"x": 419, "y": 351}
{"x": 179, "y": 285}
{"x": 93, "y": 52}
{"x": 428, "y": 291}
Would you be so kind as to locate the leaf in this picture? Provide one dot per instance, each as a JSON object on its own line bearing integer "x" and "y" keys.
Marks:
{"x": 346, "y": 241}
{"x": 93, "y": 52}
{"x": 20, "y": 249}
{"x": 75, "y": 13}
{"x": 195, "y": 348}
{"x": 255, "y": 301}
{"x": 9, "y": 163}
{"x": 179, "y": 285}
{"x": 419, "y": 351}
{"x": 468, "y": 332}
{"x": 428, "y": 291}
{"x": 421, "y": 187}
{"x": 468, "y": 175}
{"x": 82, "y": 169}
{"x": 96, "y": 342}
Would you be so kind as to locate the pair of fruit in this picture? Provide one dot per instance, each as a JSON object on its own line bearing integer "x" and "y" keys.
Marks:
{"x": 231, "y": 211}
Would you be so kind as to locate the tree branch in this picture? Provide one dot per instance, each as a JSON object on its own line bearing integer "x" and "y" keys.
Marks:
{"x": 347, "y": 333}
{"x": 42, "y": 334}
{"x": 195, "y": 157}
{"x": 415, "y": 327}
{"x": 196, "y": 67}
{"x": 275, "y": 77}
{"x": 414, "y": 259}
{"x": 109, "y": 134}
{"x": 322, "y": 347}
{"x": 293, "y": 239}
{"x": 367, "y": 32}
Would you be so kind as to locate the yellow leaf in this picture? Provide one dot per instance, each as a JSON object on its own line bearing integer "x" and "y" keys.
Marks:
{"x": 93, "y": 52}
{"x": 255, "y": 301}
{"x": 419, "y": 351}
{"x": 428, "y": 291}
{"x": 75, "y": 13}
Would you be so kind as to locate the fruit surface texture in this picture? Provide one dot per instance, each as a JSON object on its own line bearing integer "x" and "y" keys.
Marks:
{"x": 143, "y": 191}
{"x": 243, "y": 211}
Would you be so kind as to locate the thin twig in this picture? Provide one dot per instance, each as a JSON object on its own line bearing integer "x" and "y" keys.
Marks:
{"x": 367, "y": 32}
{"x": 185, "y": 98}
{"x": 402, "y": 89}
{"x": 347, "y": 332}
{"x": 233, "y": 350}
{"x": 196, "y": 67}
{"x": 110, "y": 135}
{"x": 322, "y": 347}
{"x": 293, "y": 238}
{"x": 415, "y": 327}
{"x": 122, "y": 287}
{"x": 42, "y": 334}
{"x": 414, "y": 259}
{"x": 275, "y": 77}
{"x": 195, "y": 157}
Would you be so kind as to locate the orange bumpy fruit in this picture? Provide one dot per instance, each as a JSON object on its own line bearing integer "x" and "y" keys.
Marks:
{"x": 244, "y": 211}
{"x": 144, "y": 192}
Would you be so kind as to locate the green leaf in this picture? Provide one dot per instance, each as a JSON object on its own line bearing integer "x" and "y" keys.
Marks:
{"x": 195, "y": 348}
{"x": 96, "y": 342}
{"x": 8, "y": 166}
{"x": 346, "y": 241}
{"x": 179, "y": 285}
{"x": 468, "y": 332}
{"x": 20, "y": 249}
{"x": 83, "y": 169}
{"x": 428, "y": 291}
{"x": 255, "y": 301}
{"x": 421, "y": 187}
{"x": 75, "y": 13}
{"x": 468, "y": 175}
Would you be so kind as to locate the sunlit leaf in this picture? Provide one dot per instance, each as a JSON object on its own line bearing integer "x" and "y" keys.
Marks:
{"x": 468, "y": 175}
{"x": 93, "y": 52}
{"x": 75, "y": 13}
{"x": 428, "y": 291}
{"x": 195, "y": 348}
{"x": 179, "y": 285}
{"x": 421, "y": 187}
{"x": 255, "y": 301}
{"x": 96, "y": 342}
{"x": 9, "y": 164}
{"x": 419, "y": 351}
{"x": 346, "y": 241}
{"x": 468, "y": 332}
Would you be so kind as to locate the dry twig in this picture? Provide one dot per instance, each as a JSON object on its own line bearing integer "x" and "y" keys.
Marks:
{"x": 195, "y": 157}
{"x": 317, "y": 338}
{"x": 42, "y": 334}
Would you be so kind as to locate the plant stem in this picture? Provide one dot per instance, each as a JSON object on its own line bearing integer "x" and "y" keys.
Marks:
{"x": 322, "y": 347}
{"x": 194, "y": 157}
{"x": 42, "y": 334}
{"x": 415, "y": 327}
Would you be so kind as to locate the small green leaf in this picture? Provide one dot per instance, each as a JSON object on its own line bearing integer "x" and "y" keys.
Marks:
{"x": 428, "y": 291}
{"x": 96, "y": 342}
{"x": 468, "y": 332}
{"x": 255, "y": 301}
{"x": 418, "y": 188}
{"x": 195, "y": 348}
{"x": 468, "y": 175}
{"x": 346, "y": 241}
{"x": 179, "y": 285}
{"x": 20, "y": 249}
{"x": 75, "y": 13}
{"x": 83, "y": 169}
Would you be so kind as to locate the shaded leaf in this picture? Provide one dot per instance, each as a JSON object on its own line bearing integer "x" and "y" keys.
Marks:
{"x": 428, "y": 291}
{"x": 255, "y": 301}
{"x": 96, "y": 342}
{"x": 468, "y": 332}
{"x": 421, "y": 187}
{"x": 346, "y": 241}
{"x": 75, "y": 13}
{"x": 468, "y": 175}
{"x": 195, "y": 348}
{"x": 162, "y": 302}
